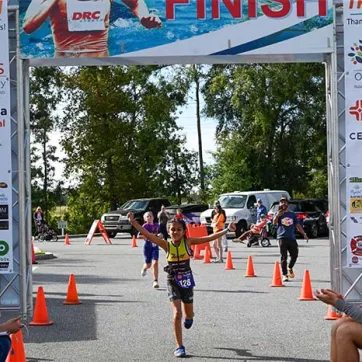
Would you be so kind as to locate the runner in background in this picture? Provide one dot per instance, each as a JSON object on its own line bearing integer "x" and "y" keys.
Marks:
{"x": 180, "y": 281}
{"x": 80, "y": 27}
{"x": 150, "y": 250}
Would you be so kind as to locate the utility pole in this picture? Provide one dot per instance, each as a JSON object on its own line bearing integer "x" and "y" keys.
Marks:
{"x": 196, "y": 78}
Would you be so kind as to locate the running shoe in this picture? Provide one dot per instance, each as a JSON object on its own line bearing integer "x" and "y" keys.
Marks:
{"x": 291, "y": 273}
{"x": 218, "y": 261}
{"x": 226, "y": 249}
{"x": 188, "y": 323}
{"x": 155, "y": 284}
{"x": 285, "y": 278}
{"x": 180, "y": 352}
{"x": 143, "y": 272}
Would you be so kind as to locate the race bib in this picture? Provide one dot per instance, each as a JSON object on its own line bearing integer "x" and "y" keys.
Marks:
{"x": 185, "y": 280}
{"x": 87, "y": 15}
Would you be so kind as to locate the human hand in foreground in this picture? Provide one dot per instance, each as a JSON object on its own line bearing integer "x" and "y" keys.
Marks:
{"x": 328, "y": 296}
{"x": 12, "y": 325}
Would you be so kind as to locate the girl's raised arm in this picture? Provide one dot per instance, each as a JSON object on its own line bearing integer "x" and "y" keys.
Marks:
{"x": 205, "y": 239}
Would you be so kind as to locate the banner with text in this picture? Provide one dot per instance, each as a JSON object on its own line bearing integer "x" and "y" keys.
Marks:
{"x": 353, "y": 118}
{"x": 173, "y": 28}
{"x": 6, "y": 234}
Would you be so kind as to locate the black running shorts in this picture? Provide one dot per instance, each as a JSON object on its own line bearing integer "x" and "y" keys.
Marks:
{"x": 175, "y": 292}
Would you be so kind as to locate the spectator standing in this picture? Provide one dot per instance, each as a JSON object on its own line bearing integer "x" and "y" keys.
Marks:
{"x": 224, "y": 239}
{"x": 163, "y": 217}
{"x": 218, "y": 223}
{"x": 260, "y": 210}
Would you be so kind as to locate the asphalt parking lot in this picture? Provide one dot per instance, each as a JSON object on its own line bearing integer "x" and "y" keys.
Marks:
{"x": 122, "y": 318}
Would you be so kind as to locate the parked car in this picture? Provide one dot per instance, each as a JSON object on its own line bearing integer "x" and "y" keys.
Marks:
{"x": 311, "y": 213}
{"x": 240, "y": 207}
{"x": 116, "y": 221}
{"x": 192, "y": 212}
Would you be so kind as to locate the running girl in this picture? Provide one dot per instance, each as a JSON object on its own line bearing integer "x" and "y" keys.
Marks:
{"x": 150, "y": 250}
{"x": 180, "y": 281}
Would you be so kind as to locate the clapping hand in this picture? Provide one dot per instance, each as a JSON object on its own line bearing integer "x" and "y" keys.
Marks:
{"x": 328, "y": 296}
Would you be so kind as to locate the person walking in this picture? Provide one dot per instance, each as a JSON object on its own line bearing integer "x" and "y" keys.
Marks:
{"x": 180, "y": 280}
{"x": 150, "y": 250}
{"x": 218, "y": 223}
{"x": 39, "y": 221}
{"x": 346, "y": 335}
{"x": 260, "y": 210}
{"x": 163, "y": 217}
{"x": 286, "y": 221}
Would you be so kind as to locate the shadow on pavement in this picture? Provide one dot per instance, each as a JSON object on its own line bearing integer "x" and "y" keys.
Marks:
{"x": 230, "y": 291}
{"x": 71, "y": 322}
{"x": 46, "y": 278}
{"x": 245, "y": 355}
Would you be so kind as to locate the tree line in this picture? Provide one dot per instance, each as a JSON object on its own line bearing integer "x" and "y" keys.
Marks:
{"x": 121, "y": 140}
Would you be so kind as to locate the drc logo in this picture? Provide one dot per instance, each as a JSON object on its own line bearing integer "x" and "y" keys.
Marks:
{"x": 356, "y": 110}
{"x": 356, "y": 54}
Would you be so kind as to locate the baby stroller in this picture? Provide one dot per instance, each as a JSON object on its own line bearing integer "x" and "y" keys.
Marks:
{"x": 255, "y": 239}
{"x": 46, "y": 233}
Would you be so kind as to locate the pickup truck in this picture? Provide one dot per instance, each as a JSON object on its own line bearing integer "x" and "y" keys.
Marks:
{"x": 116, "y": 221}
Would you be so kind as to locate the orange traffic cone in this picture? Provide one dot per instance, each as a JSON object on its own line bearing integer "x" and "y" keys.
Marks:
{"x": 306, "y": 293}
{"x": 277, "y": 279}
{"x": 207, "y": 255}
{"x": 33, "y": 257}
{"x": 72, "y": 294}
{"x": 332, "y": 314}
{"x": 229, "y": 262}
{"x": 40, "y": 311}
{"x": 250, "y": 268}
{"x": 17, "y": 351}
{"x": 197, "y": 255}
{"x": 134, "y": 242}
{"x": 66, "y": 240}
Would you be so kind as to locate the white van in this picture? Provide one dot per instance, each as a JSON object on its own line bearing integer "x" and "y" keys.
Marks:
{"x": 240, "y": 207}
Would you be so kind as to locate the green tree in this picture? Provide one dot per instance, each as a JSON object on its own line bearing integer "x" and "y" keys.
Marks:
{"x": 44, "y": 98}
{"x": 119, "y": 132}
{"x": 271, "y": 131}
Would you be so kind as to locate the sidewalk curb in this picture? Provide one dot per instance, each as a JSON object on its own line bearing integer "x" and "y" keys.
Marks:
{"x": 45, "y": 256}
